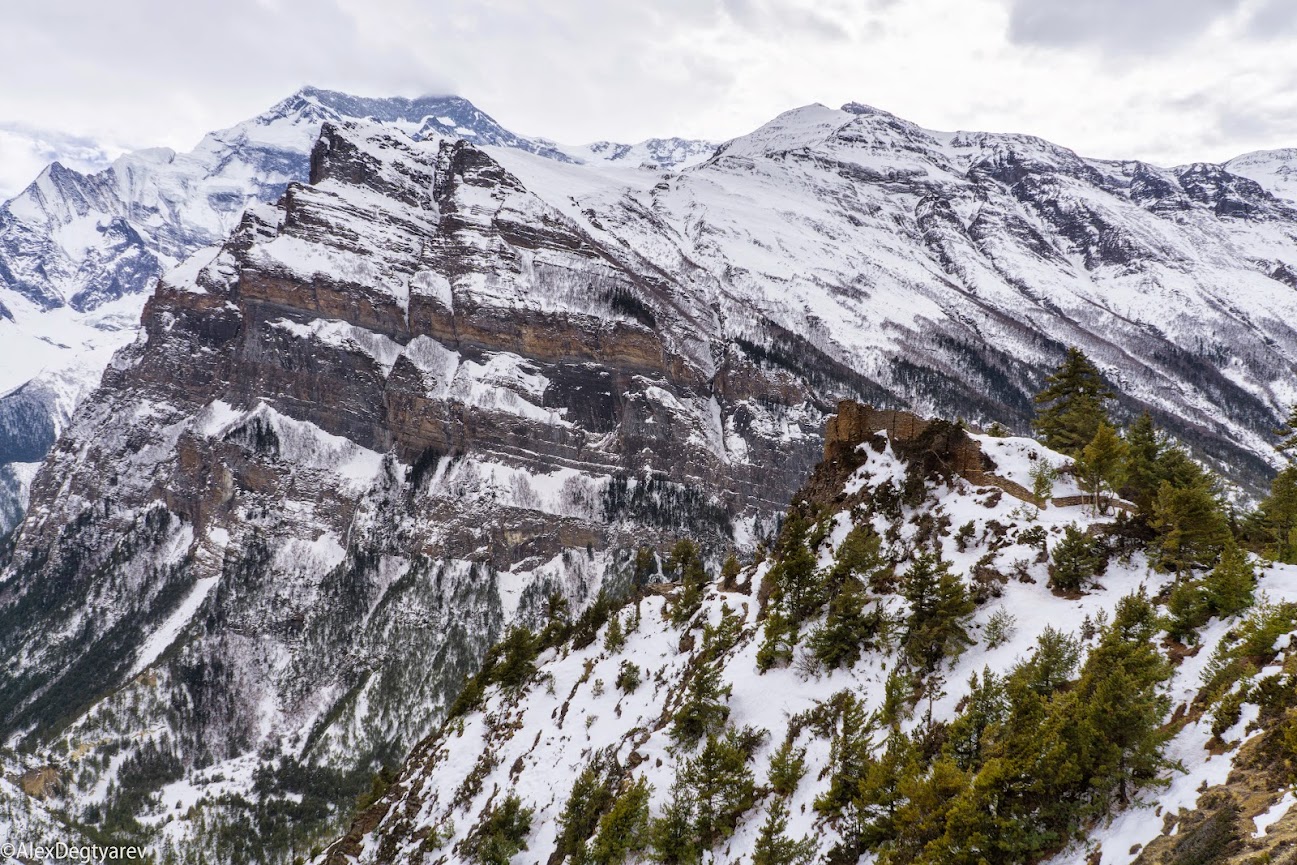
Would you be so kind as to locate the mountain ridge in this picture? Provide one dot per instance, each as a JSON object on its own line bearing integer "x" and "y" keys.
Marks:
{"x": 101, "y": 240}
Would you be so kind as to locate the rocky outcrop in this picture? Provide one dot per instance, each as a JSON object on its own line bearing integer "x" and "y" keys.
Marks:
{"x": 79, "y": 252}
{"x": 954, "y": 450}
{"x": 40, "y": 783}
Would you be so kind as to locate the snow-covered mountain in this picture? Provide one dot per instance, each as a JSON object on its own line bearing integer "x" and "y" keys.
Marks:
{"x": 444, "y": 385}
{"x": 651, "y": 153}
{"x": 1274, "y": 170}
{"x": 79, "y": 253}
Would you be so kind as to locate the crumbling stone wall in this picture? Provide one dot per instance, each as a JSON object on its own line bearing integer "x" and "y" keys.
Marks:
{"x": 856, "y": 423}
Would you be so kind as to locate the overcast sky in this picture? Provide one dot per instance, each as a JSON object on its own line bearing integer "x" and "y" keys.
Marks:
{"x": 1168, "y": 81}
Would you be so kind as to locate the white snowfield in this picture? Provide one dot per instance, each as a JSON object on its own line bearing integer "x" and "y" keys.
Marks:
{"x": 534, "y": 743}
{"x": 1275, "y": 170}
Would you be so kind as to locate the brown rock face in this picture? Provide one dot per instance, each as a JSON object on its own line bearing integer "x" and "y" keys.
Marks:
{"x": 40, "y": 783}
{"x": 855, "y": 424}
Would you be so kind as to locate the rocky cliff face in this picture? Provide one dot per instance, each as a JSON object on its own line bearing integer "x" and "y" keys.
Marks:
{"x": 80, "y": 252}
{"x": 444, "y": 385}
{"x": 417, "y": 399}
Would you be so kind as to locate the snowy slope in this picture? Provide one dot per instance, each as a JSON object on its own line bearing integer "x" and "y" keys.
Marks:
{"x": 1275, "y": 170}
{"x": 659, "y": 153}
{"x": 24, "y": 820}
{"x": 535, "y": 740}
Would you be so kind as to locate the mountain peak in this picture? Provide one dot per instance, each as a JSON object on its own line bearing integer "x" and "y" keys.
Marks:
{"x": 337, "y": 105}
{"x": 422, "y": 117}
{"x": 801, "y": 127}
{"x": 1274, "y": 170}
{"x": 859, "y": 108}
{"x": 384, "y": 109}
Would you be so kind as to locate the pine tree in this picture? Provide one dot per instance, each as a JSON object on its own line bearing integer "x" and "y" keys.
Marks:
{"x": 778, "y": 643}
{"x": 981, "y": 824}
{"x": 1142, "y": 473}
{"x": 1075, "y": 560}
{"x": 1190, "y": 525}
{"x": 722, "y": 785}
{"x": 858, "y": 560}
{"x": 1042, "y": 480}
{"x": 628, "y": 677}
{"x": 1122, "y": 704}
{"x": 1225, "y": 591}
{"x": 787, "y": 767}
{"x": 589, "y": 798}
{"x": 614, "y": 639}
{"x": 730, "y": 571}
{"x": 703, "y": 711}
{"x": 686, "y": 561}
{"x": 954, "y": 607}
{"x": 1052, "y": 664}
{"x": 847, "y": 631}
{"x": 1288, "y": 436}
{"x": 1071, "y": 406}
{"x": 798, "y": 586}
{"x": 1279, "y": 515}
{"x": 1188, "y": 609}
{"x": 1176, "y": 467}
{"x": 1230, "y": 585}
{"x": 682, "y": 554}
{"x": 939, "y": 610}
{"x": 501, "y": 835}
{"x": 1102, "y": 465}
{"x": 557, "y": 607}
{"x": 624, "y": 828}
{"x": 927, "y": 798}
{"x": 671, "y": 837}
{"x": 774, "y": 847}
{"x": 987, "y": 706}
{"x": 879, "y": 795}
{"x": 850, "y": 757}
{"x": 646, "y": 566}
{"x": 896, "y": 706}
{"x": 512, "y": 662}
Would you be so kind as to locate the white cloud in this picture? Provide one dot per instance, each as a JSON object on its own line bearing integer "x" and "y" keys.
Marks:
{"x": 24, "y": 152}
{"x": 1119, "y": 26}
